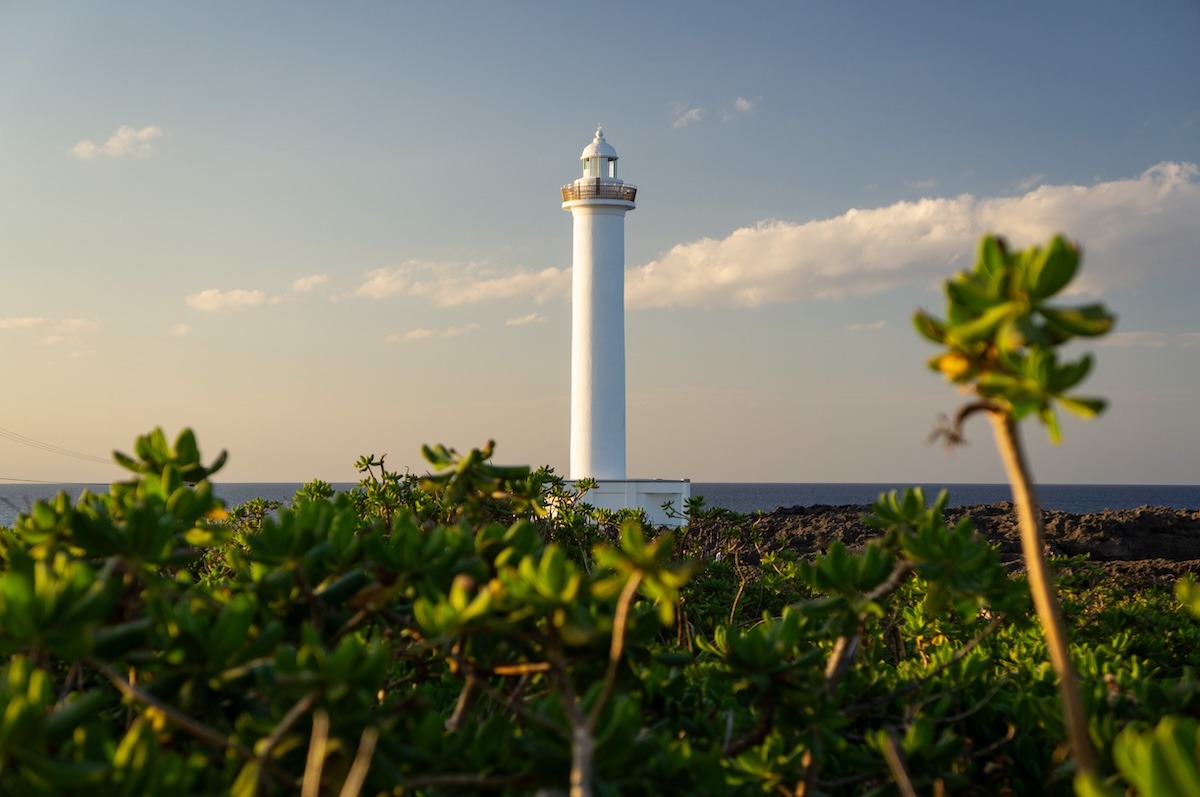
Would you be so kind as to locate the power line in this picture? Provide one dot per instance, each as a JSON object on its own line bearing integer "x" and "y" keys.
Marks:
{"x": 50, "y": 448}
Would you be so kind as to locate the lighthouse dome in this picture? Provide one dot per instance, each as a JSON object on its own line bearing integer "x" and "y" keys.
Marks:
{"x": 599, "y": 148}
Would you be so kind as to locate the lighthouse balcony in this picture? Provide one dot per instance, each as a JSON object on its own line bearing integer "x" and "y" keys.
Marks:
{"x": 598, "y": 190}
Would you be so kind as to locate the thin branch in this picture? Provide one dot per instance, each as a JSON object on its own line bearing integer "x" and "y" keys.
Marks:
{"x": 846, "y": 648}
{"x": 620, "y": 621}
{"x": 311, "y": 786}
{"x": 582, "y": 744}
{"x": 736, "y": 598}
{"x": 303, "y": 705}
{"x": 362, "y": 763}
{"x": 951, "y": 429}
{"x": 895, "y": 761}
{"x": 517, "y": 707}
{"x": 185, "y": 723}
{"x": 462, "y": 706}
{"x": 192, "y": 727}
{"x": 521, "y": 670}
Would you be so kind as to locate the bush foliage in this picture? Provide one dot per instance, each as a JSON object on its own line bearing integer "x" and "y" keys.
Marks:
{"x": 449, "y": 635}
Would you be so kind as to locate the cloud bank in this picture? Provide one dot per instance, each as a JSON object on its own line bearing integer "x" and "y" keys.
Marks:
{"x": 1130, "y": 229}
{"x": 126, "y": 142}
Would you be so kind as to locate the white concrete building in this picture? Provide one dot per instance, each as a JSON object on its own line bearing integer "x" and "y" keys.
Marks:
{"x": 598, "y": 202}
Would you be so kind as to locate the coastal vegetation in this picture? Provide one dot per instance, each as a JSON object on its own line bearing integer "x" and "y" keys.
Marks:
{"x": 482, "y": 630}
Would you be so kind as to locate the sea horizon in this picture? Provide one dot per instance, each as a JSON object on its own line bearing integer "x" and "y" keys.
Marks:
{"x": 743, "y": 497}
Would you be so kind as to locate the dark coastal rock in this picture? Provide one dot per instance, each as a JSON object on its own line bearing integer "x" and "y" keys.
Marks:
{"x": 1150, "y": 544}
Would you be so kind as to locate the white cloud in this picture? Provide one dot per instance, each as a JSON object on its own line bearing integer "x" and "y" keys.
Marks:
{"x": 1148, "y": 220}
{"x": 447, "y": 284}
{"x": 123, "y": 143}
{"x": 305, "y": 284}
{"x": 741, "y": 107}
{"x": 214, "y": 300}
{"x": 685, "y": 115}
{"x": 180, "y": 330}
{"x": 532, "y": 318}
{"x": 50, "y": 327}
{"x": 1130, "y": 229}
{"x": 421, "y": 333}
{"x": 872, "y": 327}
{"x": 463, "y": 330}
{"x": 59, "y": 332}
{"x": 414, "y": 334}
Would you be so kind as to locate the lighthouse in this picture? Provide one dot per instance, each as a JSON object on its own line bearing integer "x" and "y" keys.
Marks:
{"x": 598, "y": 201}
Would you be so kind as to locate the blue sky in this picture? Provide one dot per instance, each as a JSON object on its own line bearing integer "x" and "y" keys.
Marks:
{"x": 313, "y": 231}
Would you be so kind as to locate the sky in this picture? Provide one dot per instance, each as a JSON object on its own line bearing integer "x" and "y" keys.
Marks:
{"x": 313, "y": 231}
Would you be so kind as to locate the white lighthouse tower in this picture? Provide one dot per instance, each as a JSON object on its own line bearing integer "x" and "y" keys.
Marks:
{"x": 598, "y": 202}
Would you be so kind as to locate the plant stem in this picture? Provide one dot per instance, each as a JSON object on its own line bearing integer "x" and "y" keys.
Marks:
{"x": 583, "y": 747}
{"x": 620, "y": 621}
{"x": 1041, "y": 586}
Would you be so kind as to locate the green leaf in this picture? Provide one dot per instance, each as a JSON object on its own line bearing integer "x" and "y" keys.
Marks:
{"x": 1054, "y": 268}
{"x": 1177, "y": 738}
{"x": 969, "y": 294}
{"x": 1083, "y": 407}
{"x": 1050, "y": 421}
{"x": 1092, "y": 785}
{"x": 993, "y": 258}
{"x": 1068, "y": 375}
{"x": 186, "y": 451}
{"x": 983, "y": 327}
{"x": 1187, "y": 591}
{"x": 1087, "y": 321}
{"x": 929, "y": 327}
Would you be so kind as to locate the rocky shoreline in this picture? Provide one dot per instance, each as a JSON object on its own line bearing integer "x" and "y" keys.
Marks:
{"x": 1147, "y": 544}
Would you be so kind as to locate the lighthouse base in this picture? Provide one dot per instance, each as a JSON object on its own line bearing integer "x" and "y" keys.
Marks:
{"x": 645, "y": 494}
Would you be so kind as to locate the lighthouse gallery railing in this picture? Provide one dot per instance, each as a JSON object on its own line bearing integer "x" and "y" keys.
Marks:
{"x": 577, "y": 191}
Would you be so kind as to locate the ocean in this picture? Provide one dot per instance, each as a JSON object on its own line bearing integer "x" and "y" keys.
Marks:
{"x": 743, "y": 497}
